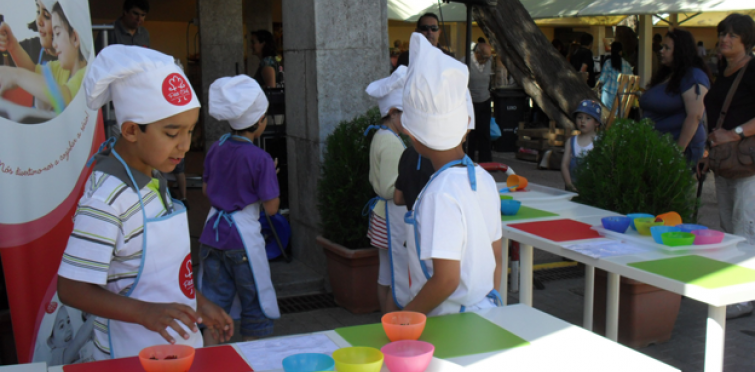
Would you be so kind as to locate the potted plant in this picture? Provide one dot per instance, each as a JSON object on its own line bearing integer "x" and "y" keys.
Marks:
{"x": 632, "y": 168}
{"x": 342, "y": 192}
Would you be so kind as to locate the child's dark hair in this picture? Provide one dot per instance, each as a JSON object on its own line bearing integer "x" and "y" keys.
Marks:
{"x": 251, "y": 129}
{"x": 57, "y": 9}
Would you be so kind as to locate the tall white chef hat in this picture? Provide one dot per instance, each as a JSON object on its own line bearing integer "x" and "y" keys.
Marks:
{"x": 389, "y": 91}
{"x": 239, "y": 100}
{"x": 77, "y": 14}
{"x": 435, "y": 107}
{"x": 145, "y": 85}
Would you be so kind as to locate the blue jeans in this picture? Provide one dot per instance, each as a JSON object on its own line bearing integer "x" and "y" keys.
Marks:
{"x": 227, "y": 273}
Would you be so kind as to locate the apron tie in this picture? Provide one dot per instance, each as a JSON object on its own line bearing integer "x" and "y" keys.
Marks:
{"x": 470, "y": 171}
{"x": 374, "y": 126}
{"x": 370, "y": 205}
{"x": 223, "y": 138}
{"x": 226, "y": 217}
{"x": 108, "y": 143}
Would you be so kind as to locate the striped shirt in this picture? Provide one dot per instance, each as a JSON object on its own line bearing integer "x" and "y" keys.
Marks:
{"x": 105, "y": 247}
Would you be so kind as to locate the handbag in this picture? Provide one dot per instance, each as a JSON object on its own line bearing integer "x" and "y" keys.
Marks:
{"x": 495, "y": 130}
{"x": 733, "y": 160}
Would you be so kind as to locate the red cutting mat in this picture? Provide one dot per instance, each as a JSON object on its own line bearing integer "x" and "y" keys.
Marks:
{"x": 558, "y": 230}
{"x": 220, "y": 358}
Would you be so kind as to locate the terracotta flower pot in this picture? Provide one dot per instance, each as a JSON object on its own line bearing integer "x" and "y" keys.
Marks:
{"x": 353, "y": 275}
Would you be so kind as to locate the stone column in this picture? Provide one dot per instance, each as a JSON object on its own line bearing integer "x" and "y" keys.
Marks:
{"x": 645, "y": 57}
{"x": 258, "y": 15}
{"x": 598, "y": 33}
{"x": 221, "y": 35}
{"x": 333, "y": 49}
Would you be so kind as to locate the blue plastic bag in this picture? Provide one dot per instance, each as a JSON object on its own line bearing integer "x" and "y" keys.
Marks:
{"x": 495, "y": 131}
{"x": 281, "y": 226}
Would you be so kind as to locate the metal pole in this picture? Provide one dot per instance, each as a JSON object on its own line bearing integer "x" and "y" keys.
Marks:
{"x": 468, "y": 44}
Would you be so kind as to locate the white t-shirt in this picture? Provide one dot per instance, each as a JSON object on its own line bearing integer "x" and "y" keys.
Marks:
{"x": 456, "y": 223}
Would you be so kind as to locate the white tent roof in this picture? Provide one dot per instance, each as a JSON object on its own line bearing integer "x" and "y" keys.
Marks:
{"x": 586, "y": 12}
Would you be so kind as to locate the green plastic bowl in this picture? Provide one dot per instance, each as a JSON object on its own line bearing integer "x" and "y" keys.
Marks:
{"x": 676, "y": 239}
{"x": 644, "y": 224}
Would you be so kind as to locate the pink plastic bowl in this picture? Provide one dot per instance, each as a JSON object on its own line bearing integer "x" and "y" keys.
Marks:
{"x": 708, "y": 237}
{"x": 408, "y": 355}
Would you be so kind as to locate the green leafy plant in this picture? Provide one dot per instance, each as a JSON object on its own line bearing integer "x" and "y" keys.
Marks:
{"x": 344, "y": 186}
{"x": 633, "y": 169}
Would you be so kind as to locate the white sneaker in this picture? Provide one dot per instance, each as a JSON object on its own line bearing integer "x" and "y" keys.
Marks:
{"x": 739, "y": 310}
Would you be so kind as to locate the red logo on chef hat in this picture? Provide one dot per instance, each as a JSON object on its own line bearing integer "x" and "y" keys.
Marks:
{"x": 176, "y": 90}
{"x": 51, "y": 306}
{"x": 186, "y": 278}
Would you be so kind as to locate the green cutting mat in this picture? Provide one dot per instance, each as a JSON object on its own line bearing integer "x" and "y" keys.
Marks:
{"x": 527, "y": 213}
{"x": 452, "y": 335}
{"x": 697, "y": 270}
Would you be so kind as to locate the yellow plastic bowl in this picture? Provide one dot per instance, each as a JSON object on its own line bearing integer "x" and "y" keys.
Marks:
{"x": 358, "y": 359}
{"x": 644, "y": 224}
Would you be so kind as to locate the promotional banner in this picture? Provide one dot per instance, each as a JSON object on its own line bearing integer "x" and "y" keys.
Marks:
{"x": 47, "y": 134}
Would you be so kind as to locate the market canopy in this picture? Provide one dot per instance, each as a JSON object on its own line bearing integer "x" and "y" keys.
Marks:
{"x": 692, "y": 13}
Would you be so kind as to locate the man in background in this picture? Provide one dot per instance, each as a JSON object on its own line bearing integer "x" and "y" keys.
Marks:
{"x": 129, "y": 28}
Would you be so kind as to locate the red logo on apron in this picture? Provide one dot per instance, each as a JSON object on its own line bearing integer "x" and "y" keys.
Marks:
{"x": 176, "y": 90}
{"x": 186, "y": 278}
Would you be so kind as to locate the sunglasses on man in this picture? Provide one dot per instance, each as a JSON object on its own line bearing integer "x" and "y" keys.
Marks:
{"x": 424, "y": 28}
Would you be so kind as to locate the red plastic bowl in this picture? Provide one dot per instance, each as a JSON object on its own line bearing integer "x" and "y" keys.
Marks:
{"x": 403, "y": 325}
{"x": 408, "y": 355}
{"x": 153, "y": 358}
{"x": 708, "y": 236}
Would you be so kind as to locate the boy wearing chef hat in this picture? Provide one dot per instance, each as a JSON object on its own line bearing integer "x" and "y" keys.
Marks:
{"x": 240, "y": 180}
{"x": 386, "y": 225}
{"x": 128, "y": 258}
{"x": 455, "y": 259}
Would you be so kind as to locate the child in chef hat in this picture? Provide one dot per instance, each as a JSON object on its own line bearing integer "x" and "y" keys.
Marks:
{"x": 128, "y": 258}
{"x": 240, "y": 180}
{"x": 456, "y": 217}
{"x": 386, "y": 227}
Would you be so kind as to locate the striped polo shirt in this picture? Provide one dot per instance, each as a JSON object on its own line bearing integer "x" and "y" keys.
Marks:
{"x": 105, "y": 247}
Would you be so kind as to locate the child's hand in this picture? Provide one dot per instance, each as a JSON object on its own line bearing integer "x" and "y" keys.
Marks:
{"x": 157, "y": 317}
{"x": 7, "y": 39}
{"x": 216, "y": 320}
{"x": 277, "y": 170}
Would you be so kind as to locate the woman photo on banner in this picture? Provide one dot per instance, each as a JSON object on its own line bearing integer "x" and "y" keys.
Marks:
{"x": 56, "y": 83}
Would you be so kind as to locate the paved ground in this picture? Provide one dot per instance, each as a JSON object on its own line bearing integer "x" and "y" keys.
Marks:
{"x": 562, "y": 298}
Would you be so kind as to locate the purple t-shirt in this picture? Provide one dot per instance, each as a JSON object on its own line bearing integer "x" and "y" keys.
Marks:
{"x": 237, "y": 174}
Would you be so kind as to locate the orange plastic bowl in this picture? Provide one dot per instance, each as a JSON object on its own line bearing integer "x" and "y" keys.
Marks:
{"x": 403, "y": 325}
{"x": 516, "y": 181}
{"x": 669, "y": 218}
{"x": 153, "y": 358}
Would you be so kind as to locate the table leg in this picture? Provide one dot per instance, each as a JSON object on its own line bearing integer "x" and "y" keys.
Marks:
{"x": 589, "y": 294}
{"x": 525, "y": 282}
{"x": 612, "y": 307}
{"x": 503, "y": 289}
{"x": 715, "y": 335}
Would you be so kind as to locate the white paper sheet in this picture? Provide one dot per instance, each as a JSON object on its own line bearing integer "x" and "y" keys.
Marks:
{"x": 605, "y": 249}
{"x": 265, "y": 355}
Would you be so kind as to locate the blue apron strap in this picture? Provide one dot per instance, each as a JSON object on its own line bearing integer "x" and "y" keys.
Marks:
{"x": 419, "y": 162}
{"x": 224, "y": 215}
{"x": 470, "y": 171}
{"x": 374, "y": 126}
{"x": 223, "y": 138}
{"x": 107, "y": 144}
{"x": 496, "y": 297}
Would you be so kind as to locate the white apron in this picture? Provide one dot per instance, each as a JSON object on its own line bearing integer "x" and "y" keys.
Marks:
{"x": 165, "y": 276}
{"x": 421, "y": 271}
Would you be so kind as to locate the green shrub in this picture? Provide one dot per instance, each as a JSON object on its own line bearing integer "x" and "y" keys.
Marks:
{"x": 632, "y": 169}
{"x": 344, "y": 186}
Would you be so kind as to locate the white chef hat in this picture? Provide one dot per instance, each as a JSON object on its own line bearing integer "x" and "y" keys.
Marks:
{"x": 77, "y": 14}
{"x": 239, "y": 100}
{"x": 435, "y": 108}
{"x": 388, "y": 91}
{"x": 145, "y": 85}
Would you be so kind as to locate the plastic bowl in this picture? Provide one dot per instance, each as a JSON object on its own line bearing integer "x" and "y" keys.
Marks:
{"x": 408, "y": 355}
{"x": 676, "y": 239}
{"x": 707, "y": 236}
{"x": 644, "y": 224}
{"x": 153, "y": 358}
{"x": 403, "y": 325}
{"x": 689, "y": 227}
{"x": 506, "y": 197}
{"x": 358, "y": 359}
{"x": 670, "y": 218}
{"x": 658, "y": 231}
{"x": 518, "y": 182}
{"x": 618, "y": 224}
{"x": 308, "y": 362}
{"x": 632, "y": 216}
{"x": 510, "y": 207}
